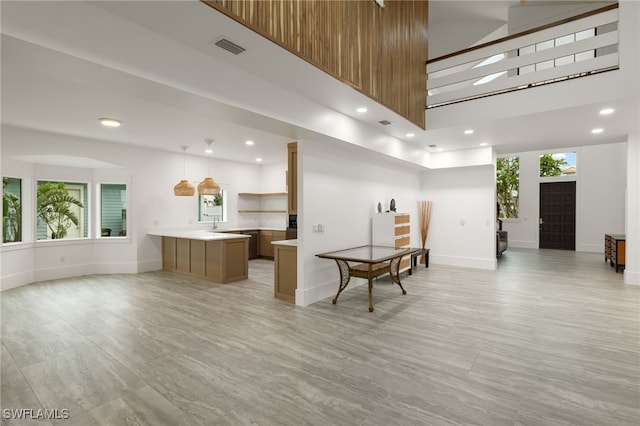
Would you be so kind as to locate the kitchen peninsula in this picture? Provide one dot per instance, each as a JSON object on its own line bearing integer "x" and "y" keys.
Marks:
{"x": 214, "y": 256}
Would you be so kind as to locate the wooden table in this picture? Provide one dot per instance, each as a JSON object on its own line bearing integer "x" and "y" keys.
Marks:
{"x": 372, "y": 261}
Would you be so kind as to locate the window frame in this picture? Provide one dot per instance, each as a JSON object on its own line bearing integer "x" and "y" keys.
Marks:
{"x": 85, "y": 210}
{"x": 98, "y": 213}
{"x": 21, "y": 222}
{"x": 225, "y": 214}
{"x": 562, "y": 176}
{"x": 517, "y": 197}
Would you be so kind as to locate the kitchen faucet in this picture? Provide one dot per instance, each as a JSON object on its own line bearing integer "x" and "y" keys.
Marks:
{"x": 215, "y": 224}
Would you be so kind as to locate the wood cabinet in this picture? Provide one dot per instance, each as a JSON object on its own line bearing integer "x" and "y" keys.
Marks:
{"x": 220, "y": 261}
{"x": 615, "y": 250}
{"x": 265, "y": 240}
{"x": 392, "y": 230}
{"x": 285, "y": 272}
{"x": 292, "y": 177}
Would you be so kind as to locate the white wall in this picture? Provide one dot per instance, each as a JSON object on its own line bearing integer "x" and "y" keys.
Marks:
{"x": 600, "y": 196}
{"x": 340, "y": 189}
{"x": 150, "y": 176}
{"x": 462, "y": 228}
{"x": 632, "y": 228}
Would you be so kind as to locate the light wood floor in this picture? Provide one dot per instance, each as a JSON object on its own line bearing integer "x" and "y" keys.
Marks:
{"x": 552, "y": 337}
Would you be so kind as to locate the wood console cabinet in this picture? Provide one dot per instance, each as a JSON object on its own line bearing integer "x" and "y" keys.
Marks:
{"x": 392, "y": 230}
{"x": 614, "y": 250}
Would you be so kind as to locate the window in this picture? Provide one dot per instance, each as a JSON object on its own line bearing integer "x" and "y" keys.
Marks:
{"x": 212, "y": 207}
{"x": 507, "y": 186}
{"x": 558, "y": 164}
{"x": 113, "y": 210}
{"x": 11, "y": 210}
{"x": 61, "y": 212}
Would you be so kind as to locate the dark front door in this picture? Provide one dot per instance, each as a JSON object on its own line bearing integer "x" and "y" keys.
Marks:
{"x": 558, "y": 215}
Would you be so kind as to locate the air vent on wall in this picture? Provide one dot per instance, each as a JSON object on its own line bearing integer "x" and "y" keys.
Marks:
{"x": 384, "y": 122}
{"x": 229, "y": 46}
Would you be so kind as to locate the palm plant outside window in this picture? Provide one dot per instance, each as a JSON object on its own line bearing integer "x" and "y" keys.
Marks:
{"x": 11, "y": 210}
{"x": 508, "y": 186}
{"x": 60, "y": 210}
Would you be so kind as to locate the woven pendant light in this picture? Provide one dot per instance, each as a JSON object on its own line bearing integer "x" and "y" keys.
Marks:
{"x": 208, "y": 186}
{"x": 184, "y": 188}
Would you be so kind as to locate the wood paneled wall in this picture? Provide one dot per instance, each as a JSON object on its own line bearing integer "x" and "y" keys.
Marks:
{"x": 380, "y": 52}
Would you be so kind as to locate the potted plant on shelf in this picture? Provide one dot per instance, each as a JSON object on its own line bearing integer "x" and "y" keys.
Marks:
{"x": 54, "y": 208}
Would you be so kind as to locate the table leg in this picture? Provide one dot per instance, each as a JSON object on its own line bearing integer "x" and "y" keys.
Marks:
{"x": 394, "y": 268}
{"x": 370, "y": 287}
{"x": 343, "y": 267}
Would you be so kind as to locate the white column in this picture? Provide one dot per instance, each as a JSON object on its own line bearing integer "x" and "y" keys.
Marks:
{"x": 632, "y": 255}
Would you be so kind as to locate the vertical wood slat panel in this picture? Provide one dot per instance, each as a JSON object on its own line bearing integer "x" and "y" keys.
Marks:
{"x": 379, "y": 52}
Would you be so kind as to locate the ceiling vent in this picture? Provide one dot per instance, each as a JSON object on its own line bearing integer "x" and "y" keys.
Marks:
{"x": 229, "y": 46}
{"x": 384, "y": 122}
{"x": 432, "y": 146}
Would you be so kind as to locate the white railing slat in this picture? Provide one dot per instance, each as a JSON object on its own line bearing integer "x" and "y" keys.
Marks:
{"x": 505, "y": 84}
{"x": 527, "y": 40}
{"x": 451, "y": 79}
{"x": 516, "y": 62}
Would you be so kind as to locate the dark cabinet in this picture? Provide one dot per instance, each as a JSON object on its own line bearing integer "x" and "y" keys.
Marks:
{"x": 253, "y": 244}
{"x": 614, "y": 250}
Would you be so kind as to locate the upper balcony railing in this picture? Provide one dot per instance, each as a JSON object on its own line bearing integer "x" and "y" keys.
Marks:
{"x": 576, "y": 47}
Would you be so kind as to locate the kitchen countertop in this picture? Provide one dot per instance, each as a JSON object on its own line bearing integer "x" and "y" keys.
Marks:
{"x": 285, "y": 243}
{"x": 204, "y": 235}
{"x": 249, "y": 229}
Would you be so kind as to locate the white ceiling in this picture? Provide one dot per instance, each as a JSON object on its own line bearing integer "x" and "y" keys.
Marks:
{"x": 153, "y": 66}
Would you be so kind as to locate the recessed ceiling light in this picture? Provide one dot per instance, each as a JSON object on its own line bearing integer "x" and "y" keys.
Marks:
{"x": 361, "y": 109}
{"x": 410, "y": 135}
{"x": 248, "y": 143}
{"x": 484, "y": 144}
{"x": 208, "y": 150}
{"x": 440, "y": 149}
{"x": 258, "y": 159}
{"x": 468, "y": 132}
{"x": 110, "y": 122}
{"x": 598, "y": 130}
{"x": 606, "y": 111}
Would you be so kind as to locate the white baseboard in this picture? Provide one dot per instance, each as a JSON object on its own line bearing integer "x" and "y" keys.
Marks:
{"x": 116, "y": 268}
{"x": 631, "y": 277}
{"x": 464, "y": 262}
{"x": 307, "y": 296}
{"x": 149, "y": 265}
{"x": 16, "y": 280}
{"x": 590, "y": 248}
{"x": 523, "y": 244}
{"x": 59, "y": 272}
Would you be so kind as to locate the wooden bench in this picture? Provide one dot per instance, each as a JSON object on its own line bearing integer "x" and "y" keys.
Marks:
{"x": 414, "y": 259}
